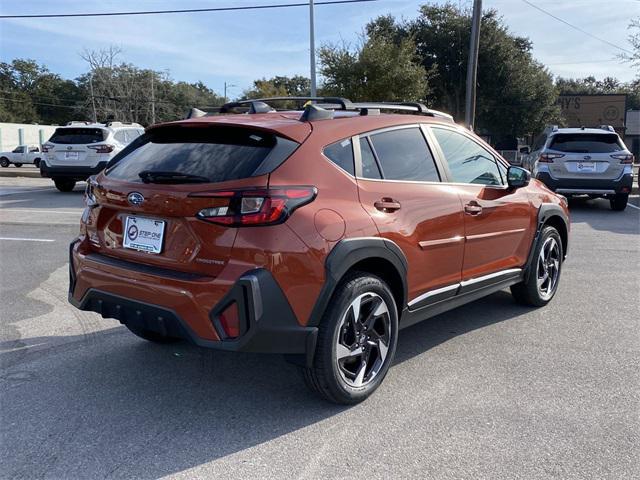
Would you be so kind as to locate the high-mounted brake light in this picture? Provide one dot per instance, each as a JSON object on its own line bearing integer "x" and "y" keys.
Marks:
{"x": 255, "y": 206}
{"x": 549, "y": 157}
{"x": 102, "y": 148}
{"x": 625, "y": 158}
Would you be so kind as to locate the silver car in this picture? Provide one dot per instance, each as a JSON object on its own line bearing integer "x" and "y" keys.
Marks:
{"x": 583, "y": 161}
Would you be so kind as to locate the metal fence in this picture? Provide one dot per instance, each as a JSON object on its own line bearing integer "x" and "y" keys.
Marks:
{"x": 514, "y": 157}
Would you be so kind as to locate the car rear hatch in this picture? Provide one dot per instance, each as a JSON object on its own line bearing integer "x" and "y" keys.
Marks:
{"x": 149, "y": 197}
{"x": 80, "y": 146}
{"x": 586, "y": 155}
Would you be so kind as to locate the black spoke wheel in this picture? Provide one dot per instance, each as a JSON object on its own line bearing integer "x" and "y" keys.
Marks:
{"x": 542, "y": 280}
{"x": 356, "y": 341}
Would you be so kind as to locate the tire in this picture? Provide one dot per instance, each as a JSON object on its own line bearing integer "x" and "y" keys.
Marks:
{"x": 64, "y": 185}
{"x": 353, "y": 357}
{"x": 36, "y": 162}
{"x": 151, "y": 336}
{"x": 18, "y": 165}
{"x": 619, "y": 202}
{"x": 544, "y": 277}
{"x": 4, "y": 162}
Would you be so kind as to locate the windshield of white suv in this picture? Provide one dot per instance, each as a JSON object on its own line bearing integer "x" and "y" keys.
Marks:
{"x": 586, "y": 143}
{"x": 78, "y": 136}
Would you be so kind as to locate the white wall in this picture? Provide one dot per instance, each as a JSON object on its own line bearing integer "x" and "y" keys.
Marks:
{"x": 11, "y": 133}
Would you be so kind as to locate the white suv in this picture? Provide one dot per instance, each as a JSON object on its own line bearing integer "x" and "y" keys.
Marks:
{"x": 81, "y": 149}
{"x": 583, "y": 161}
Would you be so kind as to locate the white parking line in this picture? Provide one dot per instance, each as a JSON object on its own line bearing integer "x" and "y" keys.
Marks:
{"x": 5, "y": 193}
{"x": 632, "y": 206}
{"x": 27, "y": 239}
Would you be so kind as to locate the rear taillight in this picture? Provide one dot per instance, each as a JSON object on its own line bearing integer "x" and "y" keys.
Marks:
{"x": 625, "y": 158}
{"x": 89, "y": 195}
{"x": 47, "y": 147}
{"x": 549, "y": 157}
{"x": 102, "y": 148}
{"x": 255, "y": 207}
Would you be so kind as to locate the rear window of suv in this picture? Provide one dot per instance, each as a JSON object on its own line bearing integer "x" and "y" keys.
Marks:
{"x": 217, "y": 153}
{"x": 78, "y": 136}
{"x": 586, "y": 143}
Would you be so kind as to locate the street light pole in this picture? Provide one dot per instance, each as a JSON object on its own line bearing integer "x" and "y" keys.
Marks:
{"x": 227, "y": 85}
{"x": 472, "y": 66}
{"x": 312, "y": 49}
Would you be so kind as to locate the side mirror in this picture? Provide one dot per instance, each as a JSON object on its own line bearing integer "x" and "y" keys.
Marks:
{"x": 525, "y": 150}
{"x": 518, "y": 177}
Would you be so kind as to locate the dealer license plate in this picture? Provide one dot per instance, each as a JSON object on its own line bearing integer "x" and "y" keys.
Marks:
{"x": 71, "y": 155}
{"x": 144, "y": 234}
{"x": 586, "y": 166}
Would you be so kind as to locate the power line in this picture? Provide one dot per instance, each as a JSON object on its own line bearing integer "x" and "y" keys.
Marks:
{"x": 576, "y": 27}
{"x": 189, "y": 10}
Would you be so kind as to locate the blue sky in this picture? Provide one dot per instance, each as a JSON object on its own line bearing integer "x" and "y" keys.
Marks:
{"x": 239, "y": 47}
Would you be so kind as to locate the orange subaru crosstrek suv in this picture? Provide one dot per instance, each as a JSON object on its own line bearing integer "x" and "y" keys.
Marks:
{"x": 316, "y": 233}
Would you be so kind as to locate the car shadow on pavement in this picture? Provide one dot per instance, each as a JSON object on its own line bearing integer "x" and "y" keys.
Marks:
{"x": 109, "y": 405}
{"x": 597, "y": 214}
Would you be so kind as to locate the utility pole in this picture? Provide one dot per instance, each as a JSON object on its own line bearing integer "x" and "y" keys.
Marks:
{"x": 227, "y": 85}
{"x": 472, "y": 66}
{"x": 153, "y": 102}
{"x": 93, "y": 100}
{"x": 312, "y": 49}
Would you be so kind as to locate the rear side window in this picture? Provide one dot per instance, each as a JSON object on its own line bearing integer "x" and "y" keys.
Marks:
{"x": 341, "y": 153}
{"x": 77, "y": 136}
{"x": 369, "y": 165}
{"x": 468, "y": 161}
{"x": 403, "y": 155}
{"x": 217, "y": 153}
{"x": 586, "y": 143}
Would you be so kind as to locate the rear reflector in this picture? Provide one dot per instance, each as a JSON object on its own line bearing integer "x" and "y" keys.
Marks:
{"x": 230, "y": 321}
{"x": 255, "y": 206}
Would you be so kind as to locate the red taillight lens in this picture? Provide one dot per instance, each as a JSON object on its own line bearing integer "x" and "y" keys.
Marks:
{"x": 549, "y": 157}
{"x": 102, "y": 148}
{"x": 625, "y": 158}
{"x": 230, "y": 321}
{"x": 46, "y": 148}
{"x": 255, "y": 207}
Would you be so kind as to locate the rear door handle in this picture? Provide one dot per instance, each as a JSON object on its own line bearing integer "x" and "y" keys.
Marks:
{"x": 387, "y": 205}
{"x": 473, "y": 208}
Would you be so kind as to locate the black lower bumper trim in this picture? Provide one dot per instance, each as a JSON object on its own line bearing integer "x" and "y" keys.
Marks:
{"x": 270, "y": 326}
{"x": 70, "y": 172}
{"x": 625, "y": 181}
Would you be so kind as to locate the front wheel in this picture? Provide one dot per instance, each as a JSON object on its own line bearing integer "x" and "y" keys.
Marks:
{"x": 542, "y": 281}
{"x": 4, "y": 162}
{"x": 619, "y": 202}
{"x": 356, "y": 341}
{"x": 64, "y": 185}
{"x": 18, "y": 165}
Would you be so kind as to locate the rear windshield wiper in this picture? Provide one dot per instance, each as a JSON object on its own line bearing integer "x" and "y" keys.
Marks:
{"x": 156, "y": 176}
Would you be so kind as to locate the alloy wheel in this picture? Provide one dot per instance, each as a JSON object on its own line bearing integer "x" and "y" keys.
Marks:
{"x": 548, "y": 268}
{"x": 363, "y": 339}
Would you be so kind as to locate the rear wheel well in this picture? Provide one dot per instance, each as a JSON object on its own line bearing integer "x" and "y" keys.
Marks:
{"x": 386, "y": 271}
{"x": 558, "y": 223}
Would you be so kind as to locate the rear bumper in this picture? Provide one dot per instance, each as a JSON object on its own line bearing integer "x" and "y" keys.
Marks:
{"x": 268, "y": 324}
{"x": 579, "y": 186}
{"x": 70, "y": 172}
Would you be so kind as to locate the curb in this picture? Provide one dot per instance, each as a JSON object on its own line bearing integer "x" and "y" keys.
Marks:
{"x": 19, "y": 172}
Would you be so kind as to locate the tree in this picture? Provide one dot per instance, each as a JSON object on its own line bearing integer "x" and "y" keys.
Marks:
{"x": 379, "y": 69}
{"x": 634, "y": 40}
{"x": 296, "y": 86}
{"x": 515, "y": 94}
{"x": 609, "y": 85}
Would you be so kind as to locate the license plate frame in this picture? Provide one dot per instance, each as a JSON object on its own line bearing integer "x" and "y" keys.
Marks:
{"x": 143, "y": 234}
{"x": 586, "y": 167}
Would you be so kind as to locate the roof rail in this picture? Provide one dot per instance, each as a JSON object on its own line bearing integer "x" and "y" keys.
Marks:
{"x": 334, "y": 103}
{"x": 608, "y": 128}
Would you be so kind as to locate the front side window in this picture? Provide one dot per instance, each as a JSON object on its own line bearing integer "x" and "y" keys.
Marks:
{"x": 468, "y": 161}
{"x": 403, "y": 155}
{"x": 341, "y": 153}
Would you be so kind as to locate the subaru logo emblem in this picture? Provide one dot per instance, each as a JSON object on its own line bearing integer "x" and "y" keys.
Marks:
{"x": 587, "y": 157}
{"x": 135, "y": 199}
{"x": 69, "y": 148}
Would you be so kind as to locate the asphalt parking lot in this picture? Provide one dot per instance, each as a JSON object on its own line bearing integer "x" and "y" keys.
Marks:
{"x": 491, "y": 390}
